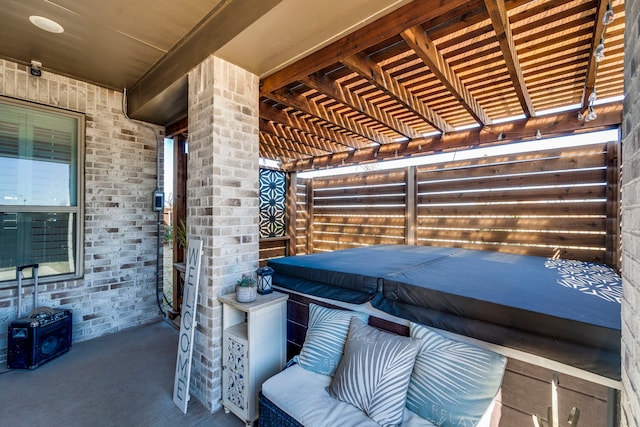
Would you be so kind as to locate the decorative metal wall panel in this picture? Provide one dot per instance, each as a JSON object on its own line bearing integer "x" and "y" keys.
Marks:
{"x": 272, "y": 203}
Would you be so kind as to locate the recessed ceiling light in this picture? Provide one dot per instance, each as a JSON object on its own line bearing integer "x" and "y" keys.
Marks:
{"x": 46, "y": 24}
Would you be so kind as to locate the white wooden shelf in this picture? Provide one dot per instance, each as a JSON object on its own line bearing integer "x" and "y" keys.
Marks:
{"x": 254, "y": 340}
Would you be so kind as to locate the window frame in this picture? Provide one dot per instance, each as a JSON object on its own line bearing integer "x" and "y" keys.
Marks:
{"x": 78, "y": 210}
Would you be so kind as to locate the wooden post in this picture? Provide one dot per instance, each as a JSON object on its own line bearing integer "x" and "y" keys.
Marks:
{"x": 310, "y": 216}
{"x": 292, "y": 202}
{"x": 411, "y": 197}
{"x": 179, "y": 215}
{"x": 612, "y": 252}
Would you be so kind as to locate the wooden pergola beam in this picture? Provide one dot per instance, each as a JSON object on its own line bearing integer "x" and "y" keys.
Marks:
{"x": 303, "y": 104}
{"x": 304, "y": 143}
{"x": 374, "y": 74}
{"x": 339, "y": 141}
{"x": 500, "y": 21}
{"x": 590, "y": 81}
{"x": 287, "y": 145}
{"x": 564, "y": 124}
{"x": 426, "y": 50}
{"x": 384, "y": 28}
{"x": 331, "y": 88}
{"x": 269, "y": 151}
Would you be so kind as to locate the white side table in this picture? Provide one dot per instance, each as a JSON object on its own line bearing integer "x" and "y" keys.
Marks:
{"x": 254, "y": 341}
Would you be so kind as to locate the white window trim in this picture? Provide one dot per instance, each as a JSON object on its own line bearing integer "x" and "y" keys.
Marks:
{"x": 80, "y": 196}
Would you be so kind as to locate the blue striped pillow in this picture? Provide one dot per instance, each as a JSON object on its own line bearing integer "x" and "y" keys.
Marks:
{"x": 326, "y": 334}
{"x": 374, "y": 373}
{"x": 453, "y": 383}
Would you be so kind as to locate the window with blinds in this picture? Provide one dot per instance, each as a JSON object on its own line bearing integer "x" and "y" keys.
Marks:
{"x": 40, "y": 188}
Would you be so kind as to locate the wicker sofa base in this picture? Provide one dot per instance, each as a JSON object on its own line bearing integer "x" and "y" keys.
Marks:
{"x": 272, "y": 416}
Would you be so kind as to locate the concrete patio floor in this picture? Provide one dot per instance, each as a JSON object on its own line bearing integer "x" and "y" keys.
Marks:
{"x": 123, "y": 379}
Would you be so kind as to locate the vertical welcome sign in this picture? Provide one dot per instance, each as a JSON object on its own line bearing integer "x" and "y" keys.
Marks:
{"x": 187, "y": 324}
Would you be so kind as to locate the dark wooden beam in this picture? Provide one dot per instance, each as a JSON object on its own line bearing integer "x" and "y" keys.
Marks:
{"x": 283, "y": 147}
{"x": 179, "y": 201}
{"x": 375, "y": 75}
{"x": 384, "y": 28}
{"x": 338, "y": 140}
{"x": 222, "y": 24}
{"x": 598, "y": 33}
{"x": 269, "y": 132}
{"x": 274, "y": 151}
{"x": 307, "y": 106}
{"x": 424, "y": 47}
{"x": 333, "y": 89}
{"x": 609, "y": 116}
{"x": 177, "y": 128}
{"x": 312, "y": 141}
{"x": 500, "y": 21}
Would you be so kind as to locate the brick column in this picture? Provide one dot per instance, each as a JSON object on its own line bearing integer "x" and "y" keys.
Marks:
{"x": 631, "y": 221}
{"x": 222, "y": 201}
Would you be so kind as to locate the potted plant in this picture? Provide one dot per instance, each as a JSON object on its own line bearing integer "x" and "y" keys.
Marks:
{"x": 181, "y": 234}
{"x": 246, "y": 289}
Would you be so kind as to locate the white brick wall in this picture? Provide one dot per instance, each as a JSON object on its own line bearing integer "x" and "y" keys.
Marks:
{"x": 118, "y": 288}
{"x": 631, "y": 221}
{"x": 222, "y": 201}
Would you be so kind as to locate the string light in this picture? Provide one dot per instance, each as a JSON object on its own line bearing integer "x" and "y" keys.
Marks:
{"x": 609, "y": 16}
{"x": 598, "y": 53}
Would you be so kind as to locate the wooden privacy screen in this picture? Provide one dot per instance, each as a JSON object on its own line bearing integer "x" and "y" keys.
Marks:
{"x": 560, "y": 203}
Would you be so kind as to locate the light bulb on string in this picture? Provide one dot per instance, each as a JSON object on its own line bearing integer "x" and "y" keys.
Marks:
{"x": 591, "y": 115}
{"x": 598, "y": 53}
{"x": 593, "y": 96}
{"x": 609, "y": 16}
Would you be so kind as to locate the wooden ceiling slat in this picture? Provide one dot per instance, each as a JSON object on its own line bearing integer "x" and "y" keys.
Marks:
{"x": 302, "y": 103}
{"x": 500, "y": 20}
{"x": 338, "y": 141}
{"x": 386, "y": 27}
{"x": 371, "y": 71}
{"x": 440, "y": 65}
{"x": 269, "y": 134}
{"x": 289, "y": 136}
{"x": 427, "y": 51}
{"x": 541, "y": 21}
{"x": 562, "y": 124}
{"x": 268, "y": 151}
{"x": 329, "y": 87}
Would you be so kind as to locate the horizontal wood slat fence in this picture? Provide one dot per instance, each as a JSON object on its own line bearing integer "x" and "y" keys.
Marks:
{"x": 554, "y": 203}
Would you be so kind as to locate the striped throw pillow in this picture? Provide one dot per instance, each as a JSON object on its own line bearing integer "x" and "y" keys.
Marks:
{"x": 453, "y": 383}
{"x": 374, "y": 373}
{"x": 326, "y": 334}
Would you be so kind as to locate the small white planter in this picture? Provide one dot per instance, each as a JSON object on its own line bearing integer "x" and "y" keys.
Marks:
{"x": 246, "y": 293}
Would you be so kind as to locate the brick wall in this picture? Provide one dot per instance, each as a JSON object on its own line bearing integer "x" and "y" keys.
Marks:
{"x": 118, "y": 288}
{"x": 630, "y": 221}
{"x": 222, "y": 202}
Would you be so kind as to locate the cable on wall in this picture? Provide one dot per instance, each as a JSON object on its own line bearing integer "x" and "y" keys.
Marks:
{"x": 159, "y": 291}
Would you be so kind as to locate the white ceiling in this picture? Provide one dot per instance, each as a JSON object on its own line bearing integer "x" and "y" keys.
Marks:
{"x": 119, "y": 43}
{"x": 295, "y": 28}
